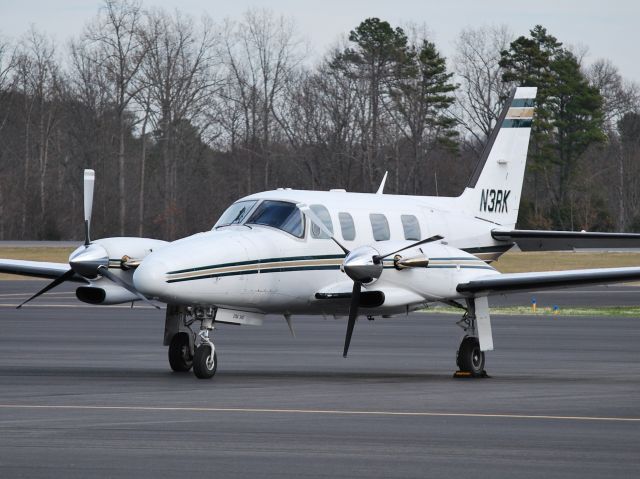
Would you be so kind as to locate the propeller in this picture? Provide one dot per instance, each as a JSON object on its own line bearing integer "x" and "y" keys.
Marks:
{"x": 59, "y": 280}
{"x": 104, "y": 271}
{"x": 89, "y": 180}
{"x": 353, "y": 314}
{"x": 363, "y": 265}
{"x": 92, "y": 259}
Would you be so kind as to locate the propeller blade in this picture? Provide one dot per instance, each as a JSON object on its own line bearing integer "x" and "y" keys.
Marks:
{"x": 353, "y": 314}
{"x": 59, "y": 280}
{"x": 318, "y": 222}
{"x": 89, "y": 179}
{"x": 104, "y": 271}
{"x": 428, "y": 240}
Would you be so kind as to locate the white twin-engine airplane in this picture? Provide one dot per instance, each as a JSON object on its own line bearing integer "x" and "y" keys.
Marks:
{"x": 334, "y": 253}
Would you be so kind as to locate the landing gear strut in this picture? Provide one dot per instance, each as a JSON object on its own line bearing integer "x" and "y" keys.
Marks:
{"x": 205, "y": 361}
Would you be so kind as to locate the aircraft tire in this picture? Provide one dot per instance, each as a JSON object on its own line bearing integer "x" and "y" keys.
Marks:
{"x": 180, "y": 358}
{"x": 470, "y": 358}
{"x": 203, "y": 368}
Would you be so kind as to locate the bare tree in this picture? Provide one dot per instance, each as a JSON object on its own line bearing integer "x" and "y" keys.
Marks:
{"x": 7, "y": 76}
{"x": 482, "y": 92}
{"x": 114, "y": 44}
{"x": 179, "y": 80}
{"x": 619, "y": 98}
{"x": 38, "y": 78}
{"x": 261, "y": 53}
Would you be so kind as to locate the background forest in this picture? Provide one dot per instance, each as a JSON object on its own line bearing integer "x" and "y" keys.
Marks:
{"x": 181, "y": 116}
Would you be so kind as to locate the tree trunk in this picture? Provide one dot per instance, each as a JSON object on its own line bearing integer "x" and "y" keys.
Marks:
{"x": 622, "y": 223}
{"x": 143, "y": 158}
{"x": 121, "y": 173}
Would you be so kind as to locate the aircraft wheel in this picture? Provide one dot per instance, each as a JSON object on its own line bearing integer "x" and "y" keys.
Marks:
{"x": 180, "y": 358}
{"x": 470, "y": 358}
{"x": 203, "y": 366}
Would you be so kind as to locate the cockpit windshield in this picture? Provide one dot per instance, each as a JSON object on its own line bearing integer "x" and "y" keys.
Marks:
{"x": 236, "y": 213}
{"x": 279, "y": 214}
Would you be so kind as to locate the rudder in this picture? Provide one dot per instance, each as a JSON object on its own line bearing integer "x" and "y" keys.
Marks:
{"x": 493, "y": 192}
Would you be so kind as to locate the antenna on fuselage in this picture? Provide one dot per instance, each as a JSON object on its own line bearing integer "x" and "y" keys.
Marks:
{"x": 381, "y": 187}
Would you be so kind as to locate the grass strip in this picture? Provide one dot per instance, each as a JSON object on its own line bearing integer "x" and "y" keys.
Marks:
{"x": 631, "y": 311}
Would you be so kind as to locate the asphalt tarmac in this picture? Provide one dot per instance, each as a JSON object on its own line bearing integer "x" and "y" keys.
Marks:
{"x": 87, "y": 392}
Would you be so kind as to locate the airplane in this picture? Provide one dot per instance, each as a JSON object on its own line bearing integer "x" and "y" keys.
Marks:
{"x": 335, "y": 253}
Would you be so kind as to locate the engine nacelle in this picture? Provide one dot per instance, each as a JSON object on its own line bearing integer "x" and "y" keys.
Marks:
{"x": 104, "y": 292}
{"x": 131, "y": 247}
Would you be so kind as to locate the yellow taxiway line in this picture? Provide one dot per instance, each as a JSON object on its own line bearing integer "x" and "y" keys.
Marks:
{"x": 334, "y": 412}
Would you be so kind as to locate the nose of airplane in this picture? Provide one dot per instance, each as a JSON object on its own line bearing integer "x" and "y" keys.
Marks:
{"x": 150, "y": 277}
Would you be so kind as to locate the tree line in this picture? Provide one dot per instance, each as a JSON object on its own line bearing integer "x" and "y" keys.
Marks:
{"x": 180, "y": 116}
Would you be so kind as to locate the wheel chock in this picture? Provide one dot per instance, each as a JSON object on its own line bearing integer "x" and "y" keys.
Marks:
{"x": 468, "y": 375}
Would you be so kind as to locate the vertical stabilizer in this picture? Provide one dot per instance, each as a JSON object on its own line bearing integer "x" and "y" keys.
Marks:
{"x": 494, "y": 190}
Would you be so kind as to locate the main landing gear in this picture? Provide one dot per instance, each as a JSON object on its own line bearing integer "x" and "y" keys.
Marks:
{"x": 186, "y": 348}
{"x": 470, "y": 357}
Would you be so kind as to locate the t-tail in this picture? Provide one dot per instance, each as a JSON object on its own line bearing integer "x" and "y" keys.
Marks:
{"x": 494, "y": 190}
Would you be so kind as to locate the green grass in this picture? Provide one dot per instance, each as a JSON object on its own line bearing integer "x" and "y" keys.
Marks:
{"x": 54, "y": 255}
{"x": 557, "y": 261}
{"x": 633, "y": 311}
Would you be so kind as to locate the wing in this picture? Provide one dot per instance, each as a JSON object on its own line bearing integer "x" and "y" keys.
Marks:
{"x": 38, "y": 269}
{"x": 514, "y": 282}
{"x": 532, "y": 240}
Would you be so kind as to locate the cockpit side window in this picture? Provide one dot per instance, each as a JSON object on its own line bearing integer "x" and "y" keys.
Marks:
{"x": 323, "y": 214}
{"x": 279, "y": 214}
{"x": 236, "y": 213}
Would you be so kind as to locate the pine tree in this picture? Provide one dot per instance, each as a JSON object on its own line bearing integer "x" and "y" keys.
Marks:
{"x": 568, "y": 118}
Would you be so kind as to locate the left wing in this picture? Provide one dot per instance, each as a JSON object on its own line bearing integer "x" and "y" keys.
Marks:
{"x": 514, "y": 282}
{"x": 38, "y": 269}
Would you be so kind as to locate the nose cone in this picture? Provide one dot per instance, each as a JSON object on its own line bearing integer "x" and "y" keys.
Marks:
{"x": 150, "y": 277}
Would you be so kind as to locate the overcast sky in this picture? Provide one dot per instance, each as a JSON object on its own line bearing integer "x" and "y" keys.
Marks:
{"x": 608, "y": 28}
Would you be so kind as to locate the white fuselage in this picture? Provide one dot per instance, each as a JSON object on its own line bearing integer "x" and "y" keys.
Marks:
{"x": 260, "y": 268}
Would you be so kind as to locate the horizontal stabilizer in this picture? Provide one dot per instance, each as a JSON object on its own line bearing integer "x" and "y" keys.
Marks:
{"x": 532, "y": 240}
{"x": 514, "y": 282}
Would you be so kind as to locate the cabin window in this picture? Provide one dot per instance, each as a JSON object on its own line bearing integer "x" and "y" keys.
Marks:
{"x": 411, "y": 227}
{"x": 347, "y": 226}
{"x": 236, "y": 213}
{"x": 323, "y": 214}
{"x": 279, "y": 214}
{"x": 379, "y": 226}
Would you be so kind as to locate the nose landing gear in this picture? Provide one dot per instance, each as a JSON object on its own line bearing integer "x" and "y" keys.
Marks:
{"x": 205, "y": 361}
{"x": 186, "y": 348}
